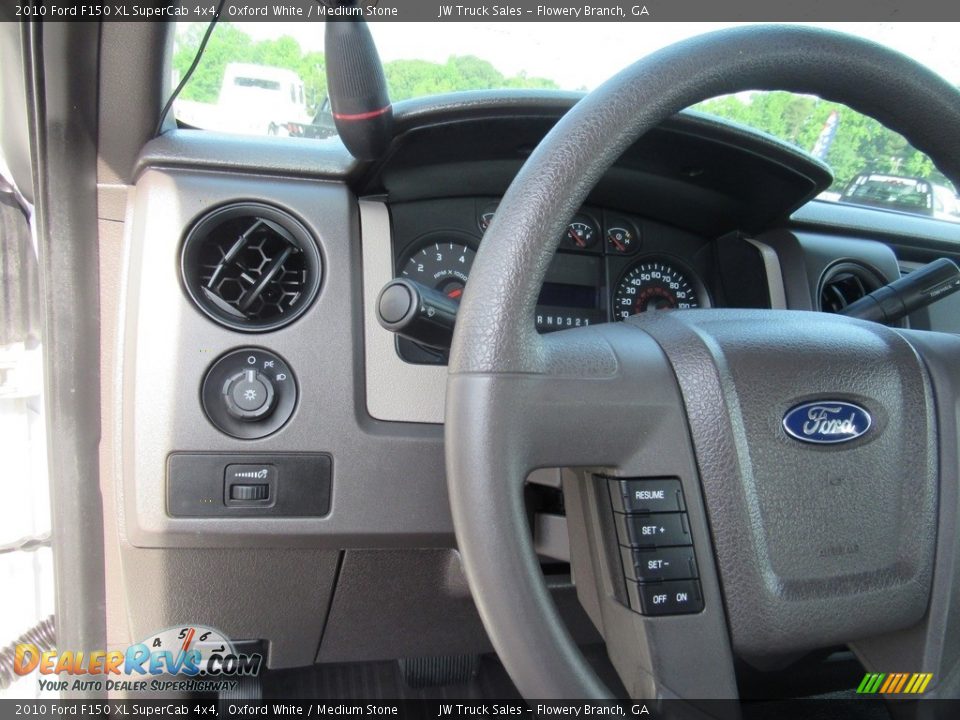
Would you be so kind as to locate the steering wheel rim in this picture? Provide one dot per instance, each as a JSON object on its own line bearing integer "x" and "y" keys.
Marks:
{"x": 495, "y": 337}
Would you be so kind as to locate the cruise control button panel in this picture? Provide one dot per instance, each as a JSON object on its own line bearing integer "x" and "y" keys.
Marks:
{"x": 656, "y": 546}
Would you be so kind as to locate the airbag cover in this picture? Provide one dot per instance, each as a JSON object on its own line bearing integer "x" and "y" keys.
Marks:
{"x": 816, "y": 543}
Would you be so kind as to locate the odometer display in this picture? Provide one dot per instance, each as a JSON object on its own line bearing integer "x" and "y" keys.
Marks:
{"x": 653, "y": 286}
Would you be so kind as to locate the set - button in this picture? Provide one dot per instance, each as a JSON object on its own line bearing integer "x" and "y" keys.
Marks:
{"x": 655, "y": 564}
{"x": 656, "y": 546}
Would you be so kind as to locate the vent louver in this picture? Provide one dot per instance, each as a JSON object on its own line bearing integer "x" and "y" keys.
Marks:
{"x": 251, "y": 267}
{"x": 845, "y": 283}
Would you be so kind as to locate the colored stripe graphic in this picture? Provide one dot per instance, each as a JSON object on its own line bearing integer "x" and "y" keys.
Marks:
{"x": 894, "y": 683}
{"x": 871, "y": 683}
{"x": 914, "y": 682}
{"x": 902, "y": 681}
{"x": 891, "y": 679}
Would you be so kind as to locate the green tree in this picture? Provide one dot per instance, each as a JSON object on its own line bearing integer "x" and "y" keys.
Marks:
{"x": 230, "y": 44}
{"x": 312, "y": 67}
{"x": 227, "y": 44}
{"x": 861, "y": 144}
{"x": 405, "y": 78}
{"x": 416, "y": 78}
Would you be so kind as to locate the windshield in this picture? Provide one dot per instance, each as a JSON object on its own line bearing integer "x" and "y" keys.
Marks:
{"x": 269, "y": 79}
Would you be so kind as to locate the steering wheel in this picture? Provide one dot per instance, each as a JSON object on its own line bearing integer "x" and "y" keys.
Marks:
{"x": 797, "y": 545}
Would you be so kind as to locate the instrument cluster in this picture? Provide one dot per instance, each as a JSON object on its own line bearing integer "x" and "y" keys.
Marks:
{"x": 608, "y": 265}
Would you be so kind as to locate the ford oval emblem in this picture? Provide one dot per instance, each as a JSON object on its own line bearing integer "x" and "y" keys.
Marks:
{"x": 826, "y": 422}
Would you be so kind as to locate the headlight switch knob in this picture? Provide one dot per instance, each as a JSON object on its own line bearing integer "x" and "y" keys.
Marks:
{"x": 248, "y": 395}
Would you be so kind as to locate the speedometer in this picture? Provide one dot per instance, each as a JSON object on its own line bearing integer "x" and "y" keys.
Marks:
{"x": 654, "y": 285}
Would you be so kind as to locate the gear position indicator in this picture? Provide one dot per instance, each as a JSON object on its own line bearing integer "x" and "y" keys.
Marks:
{"x": 249, "y": 393}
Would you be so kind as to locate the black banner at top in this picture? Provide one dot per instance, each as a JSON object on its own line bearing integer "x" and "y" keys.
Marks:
{"x": 472, "y": 11}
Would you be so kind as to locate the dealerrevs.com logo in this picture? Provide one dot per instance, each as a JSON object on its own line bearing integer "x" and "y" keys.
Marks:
{"x": 201, "y": 657}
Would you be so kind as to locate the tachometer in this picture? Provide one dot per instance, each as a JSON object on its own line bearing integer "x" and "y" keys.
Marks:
{"x": 654, "y": 285}
{"x": 443, "y": 265}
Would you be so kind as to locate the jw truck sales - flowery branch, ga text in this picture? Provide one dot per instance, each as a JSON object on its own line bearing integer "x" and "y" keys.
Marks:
{"x": 542, "y": 11}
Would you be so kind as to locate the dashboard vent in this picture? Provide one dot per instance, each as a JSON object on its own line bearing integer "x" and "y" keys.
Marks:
{"x": 845, "y": 283}
{"x": 251, "y": 267}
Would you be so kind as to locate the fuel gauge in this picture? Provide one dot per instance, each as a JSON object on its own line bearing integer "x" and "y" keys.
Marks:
{"x": 581, "y": 233}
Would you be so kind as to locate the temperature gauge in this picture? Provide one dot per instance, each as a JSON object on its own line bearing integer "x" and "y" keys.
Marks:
{"x": 486, "y": 216}
{"x": 622, "y": 240}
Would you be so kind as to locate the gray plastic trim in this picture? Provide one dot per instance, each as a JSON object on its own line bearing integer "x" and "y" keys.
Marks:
{"x": 803, "y": 256}
{"x": 388, "y": 480}
{"x": 832, "y": 216}
{"x": 396, "y": 390}
{"x": 771, "y": 266}
{"x": 200, "y": 149}
{"x": 551, "y": 541}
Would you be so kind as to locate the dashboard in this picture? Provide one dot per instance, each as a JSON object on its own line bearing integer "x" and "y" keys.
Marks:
{"x": 316, "y": 522}
{"x": 275, "y": 250}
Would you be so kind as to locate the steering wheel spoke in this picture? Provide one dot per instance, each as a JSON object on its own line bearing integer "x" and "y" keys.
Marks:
{"x": 601, "y": 396}
{"x": 606, "y": 404}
